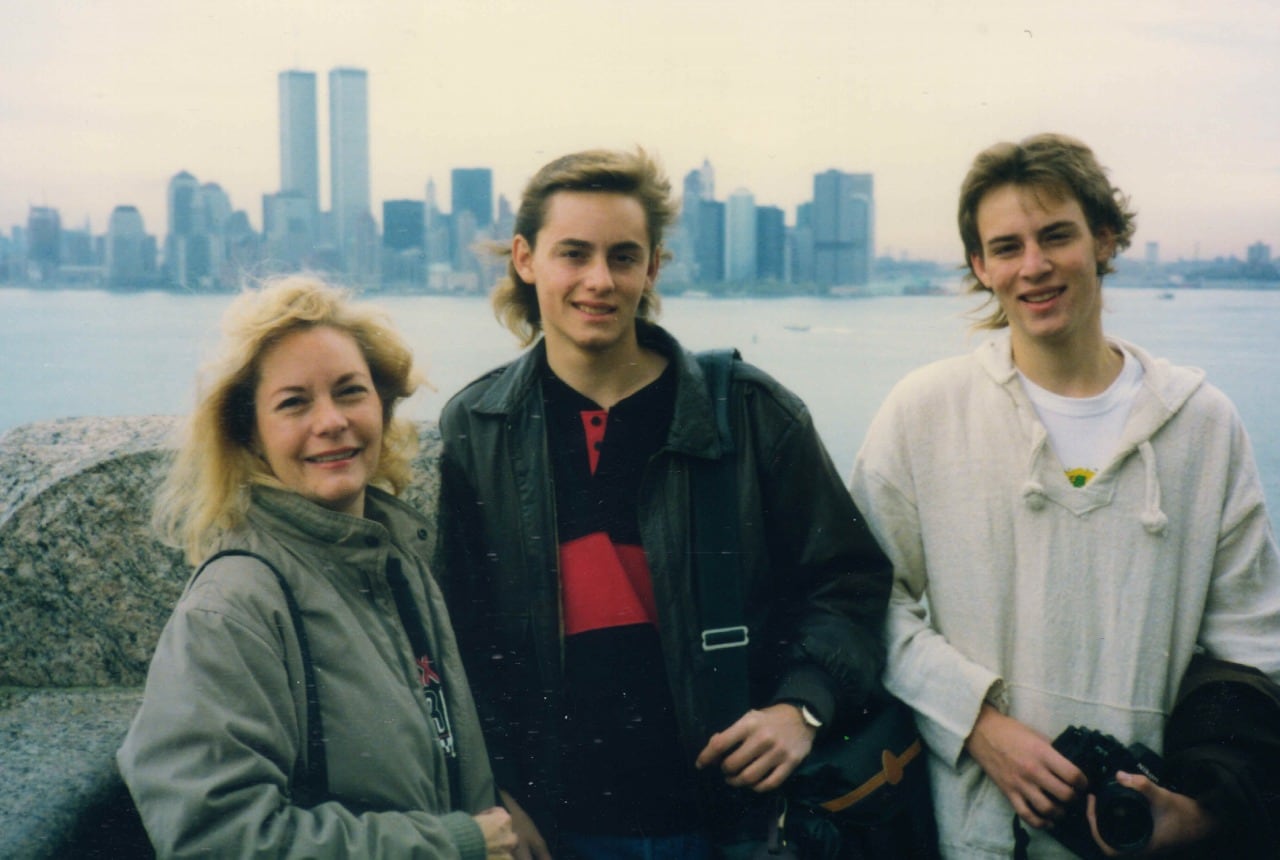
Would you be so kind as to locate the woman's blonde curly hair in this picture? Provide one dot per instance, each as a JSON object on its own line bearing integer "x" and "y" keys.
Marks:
{"x": 205, "y": 492}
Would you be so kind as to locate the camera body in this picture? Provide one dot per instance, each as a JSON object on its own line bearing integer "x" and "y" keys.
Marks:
{"x": 1123, "y": 815}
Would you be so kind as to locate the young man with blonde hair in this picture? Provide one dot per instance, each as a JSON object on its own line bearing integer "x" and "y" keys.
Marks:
{"x": 1070, "y": 520}
{"x": 568, "y": 555}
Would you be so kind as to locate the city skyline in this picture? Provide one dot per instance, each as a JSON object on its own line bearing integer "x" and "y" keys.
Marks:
{"x": 101, "y": 104}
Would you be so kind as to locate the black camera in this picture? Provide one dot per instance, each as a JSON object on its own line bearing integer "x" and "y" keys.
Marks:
{"x": 1123, "y": 815}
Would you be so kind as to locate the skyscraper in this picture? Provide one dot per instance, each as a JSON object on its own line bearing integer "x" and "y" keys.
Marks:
{"x": 349, "y": 196}
{"x": 44, "y": 243}
{"x": 771, "y": 243}
{"x": 182, "y": 257}
{"x": 299, "y": 161}
{"x": 740, "y": 237}
{"x": 471, "y": 190}
{"x": 843, "y": 228}
{"x": 708, "y": 245}
{"x": 403, "y": 224}
{"x": 129, "y": 251}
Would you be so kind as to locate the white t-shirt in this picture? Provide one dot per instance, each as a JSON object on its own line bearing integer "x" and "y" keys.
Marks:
{"x": 1085, "y": 431}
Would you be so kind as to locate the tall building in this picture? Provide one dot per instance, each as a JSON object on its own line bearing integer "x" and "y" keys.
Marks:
{"x": 195, "y": 249}
{"x": 707, "y": 180}
{"x": 403, "y": 224}
{"x": 708, "y": 245}
{"x": 130, "y": 252}
{"x": 349, "y": 196}
{"x": 471, "y": 215}
{"x": 692, "y": 240}
{"x": 843, "y": 228}
{"x": 182, "y": 256}
{"x": 740, "y": 237}
{"x": 44, "y": 243}
{"x": 771, "y": 243}
{"x": 299, "y": 138}
{"x": 288, "y": 228}
{"x": 800, "y": 245}
{"x": 437, "y": 226}
{"x": 471, "y": 190}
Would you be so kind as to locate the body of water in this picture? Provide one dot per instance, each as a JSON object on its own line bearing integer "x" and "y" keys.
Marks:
{"x": 74, "y": 353}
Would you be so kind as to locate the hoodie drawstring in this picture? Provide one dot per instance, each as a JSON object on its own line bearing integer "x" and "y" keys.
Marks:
{"x": 1154, "y": 519}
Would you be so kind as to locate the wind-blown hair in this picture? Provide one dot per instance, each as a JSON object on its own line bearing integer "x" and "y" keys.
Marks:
{"x": 206, "y": 491}
{"x": 634, "y": 174}
{"x": 1057, "y": 166}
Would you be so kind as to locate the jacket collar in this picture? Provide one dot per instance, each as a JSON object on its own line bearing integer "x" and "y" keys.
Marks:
{"x": 286, "y": 510}
{"x": 693, "y": 429}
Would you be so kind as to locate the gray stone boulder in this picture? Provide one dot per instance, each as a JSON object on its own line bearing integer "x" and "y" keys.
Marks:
{"x": 85, "y": 588}
{"x": 84, "y": 585}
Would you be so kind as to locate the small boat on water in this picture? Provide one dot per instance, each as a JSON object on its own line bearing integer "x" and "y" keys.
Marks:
{"x": 799, "y": 328}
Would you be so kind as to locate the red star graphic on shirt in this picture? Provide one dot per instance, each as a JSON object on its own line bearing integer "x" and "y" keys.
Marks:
{"x": 429, "y": 675}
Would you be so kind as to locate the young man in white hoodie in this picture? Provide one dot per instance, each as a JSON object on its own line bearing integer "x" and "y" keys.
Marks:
{"x": 1069, "y": 518}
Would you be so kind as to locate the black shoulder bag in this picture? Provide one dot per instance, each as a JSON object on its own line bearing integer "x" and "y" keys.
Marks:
{"x": 868, "y": 771}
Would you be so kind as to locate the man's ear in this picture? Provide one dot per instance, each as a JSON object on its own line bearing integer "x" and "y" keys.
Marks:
{"x": 522, "y": 258}
{"x": 1104, "y": 245}
{"x": 979, "y": 267}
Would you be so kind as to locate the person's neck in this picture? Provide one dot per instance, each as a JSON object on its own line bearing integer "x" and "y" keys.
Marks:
{"x": 609, "y": 376}
{"x": 1079, "y": 368}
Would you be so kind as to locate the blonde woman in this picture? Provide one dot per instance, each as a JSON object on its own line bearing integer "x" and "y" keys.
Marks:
{"x": 306, "y": 698}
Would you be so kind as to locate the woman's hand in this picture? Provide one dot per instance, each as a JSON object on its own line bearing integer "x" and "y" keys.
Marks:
{"x": 529, "y": 842}
{"x": 1178, "y": 820}
{"x": 499, "y": 838}
{"x": 1035, "y": 777}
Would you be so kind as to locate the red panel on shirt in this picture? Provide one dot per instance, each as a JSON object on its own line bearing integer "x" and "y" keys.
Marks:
{"x": 594, "y": 422}
{"x": 604, "y": 585}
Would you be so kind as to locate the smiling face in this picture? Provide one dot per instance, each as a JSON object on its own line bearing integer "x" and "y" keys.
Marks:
{"x": 590, "y": 264}
{"x": 1040, "y": 259}
{"x": 318, "y": 417}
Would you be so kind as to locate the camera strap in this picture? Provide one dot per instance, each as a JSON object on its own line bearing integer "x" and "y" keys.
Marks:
{"x": 1021, "y": 839}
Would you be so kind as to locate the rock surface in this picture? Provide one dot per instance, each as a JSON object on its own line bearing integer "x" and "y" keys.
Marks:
{"x": 84, "y": 590}
{"x": 84, "y": 585}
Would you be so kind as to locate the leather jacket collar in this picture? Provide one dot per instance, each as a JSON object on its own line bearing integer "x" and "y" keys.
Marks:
{"x": 693, "y": 430}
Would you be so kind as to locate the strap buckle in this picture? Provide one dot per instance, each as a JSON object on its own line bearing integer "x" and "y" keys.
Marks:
{"x": 718, "y": 638}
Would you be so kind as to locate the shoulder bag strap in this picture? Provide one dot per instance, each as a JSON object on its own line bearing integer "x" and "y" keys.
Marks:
{"x": 717, "y": 557}
{"x": 312, "y": 786}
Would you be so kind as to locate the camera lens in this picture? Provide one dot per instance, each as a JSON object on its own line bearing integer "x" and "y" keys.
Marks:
{"x": 1124, "y": 818}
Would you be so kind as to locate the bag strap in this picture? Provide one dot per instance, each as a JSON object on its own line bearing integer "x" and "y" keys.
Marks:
{"x": 416, "y": 631}
{"x": 312, "y": 786}
{"x": 717, "y": 556}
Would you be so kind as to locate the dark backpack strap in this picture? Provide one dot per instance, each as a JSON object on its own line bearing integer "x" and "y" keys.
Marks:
{"x": 717, "y": 557}
{"x": 312, "y": 786}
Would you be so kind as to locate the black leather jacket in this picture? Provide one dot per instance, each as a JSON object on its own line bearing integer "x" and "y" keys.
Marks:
{"x": 817, "y": 583}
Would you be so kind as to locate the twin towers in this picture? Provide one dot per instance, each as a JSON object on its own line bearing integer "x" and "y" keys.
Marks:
{"x": 349, "y": 195}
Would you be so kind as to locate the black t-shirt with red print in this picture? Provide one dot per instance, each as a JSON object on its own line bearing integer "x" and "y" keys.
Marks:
{"x": 624, "y": 773}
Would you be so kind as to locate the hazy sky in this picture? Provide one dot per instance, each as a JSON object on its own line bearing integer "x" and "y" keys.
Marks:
{"x": 102, "y": 102}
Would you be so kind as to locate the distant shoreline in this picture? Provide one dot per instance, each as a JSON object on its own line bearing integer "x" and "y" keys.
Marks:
{"x": 882, "y": 288}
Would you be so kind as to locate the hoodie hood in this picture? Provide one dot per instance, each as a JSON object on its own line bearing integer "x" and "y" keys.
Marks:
{"x": 1164, "y": 391}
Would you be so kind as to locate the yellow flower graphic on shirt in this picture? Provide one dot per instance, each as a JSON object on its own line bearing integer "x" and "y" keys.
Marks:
{"x": 1080, "y": 477}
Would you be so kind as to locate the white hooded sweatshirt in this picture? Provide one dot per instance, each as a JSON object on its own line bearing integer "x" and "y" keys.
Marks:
{"x": 1059, "y": 605}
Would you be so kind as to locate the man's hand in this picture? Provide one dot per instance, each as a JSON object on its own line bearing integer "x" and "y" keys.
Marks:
{"x": 761, "y": 749}
{"x": 529, "y": 842}
{"x": 499, "y": 840}
{"x": 1023, "y": 764}
{"x": 1178, "y": 820}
